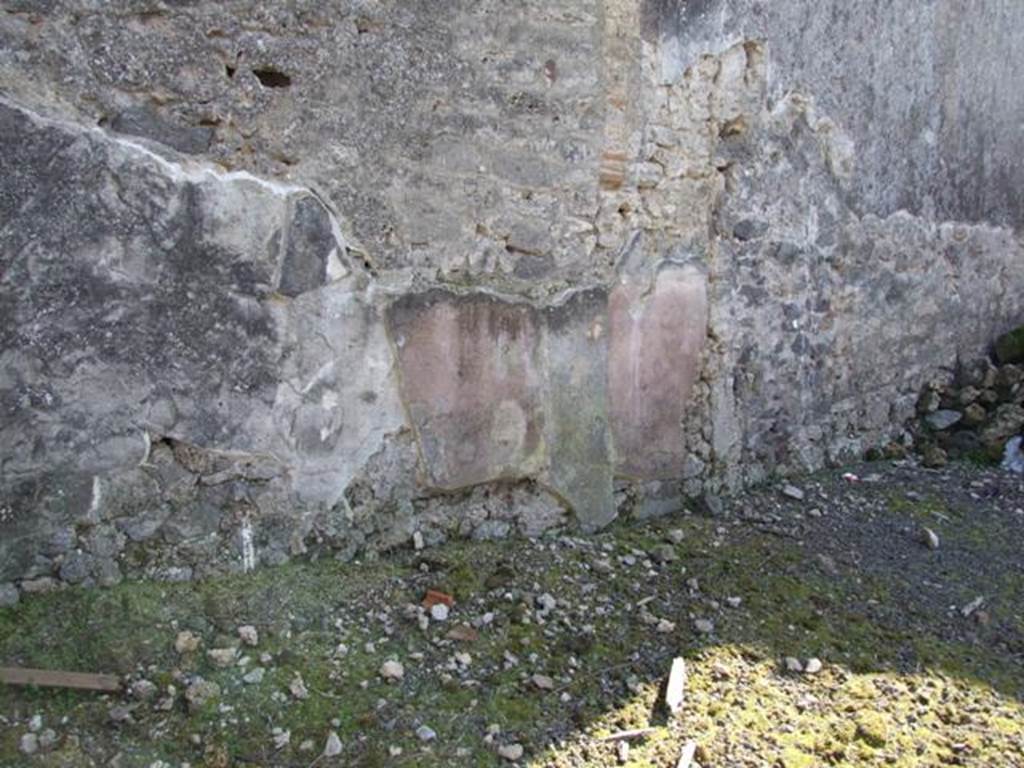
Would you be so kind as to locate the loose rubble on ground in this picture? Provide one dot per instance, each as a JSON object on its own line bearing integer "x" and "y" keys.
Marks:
{"x": 872, "y": 615}
{"x": 976, "y": 412}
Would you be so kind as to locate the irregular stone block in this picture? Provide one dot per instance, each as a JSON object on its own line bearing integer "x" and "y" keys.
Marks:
{"x": 657, "y": 333}
{"x": 576, "y": 426}
{"x": 311, "y": 245}
{"x": 472, "y": 381}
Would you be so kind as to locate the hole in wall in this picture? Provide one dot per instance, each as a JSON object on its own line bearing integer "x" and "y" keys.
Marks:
{"x": 272, "y": 78}
{"x": 230, "y": 71}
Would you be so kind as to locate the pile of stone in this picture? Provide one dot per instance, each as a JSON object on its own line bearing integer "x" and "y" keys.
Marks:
{"x": 978, "y": 411}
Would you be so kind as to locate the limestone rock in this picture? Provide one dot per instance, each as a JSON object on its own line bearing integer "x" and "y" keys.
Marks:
{"x": 934, "y": 457}
{"x": 511, "y": 752}
{"x": 186, "y": 642}
{"x": 1007, "y": 421}
{"x": 704, "y": 626}
{"x": 28, "y": 744}
{"x": 249, "y": 635}
{"x": 392, "y": 670}
{"x": 974, "y": 415}
{"x": 543, "y": 682}
{"x": 333, "y": 746}
{"x": 222, "y": 657}
{"x": 944, "y": 419}
{"x": 793, "y": 492}
{"x": 201, "y": 692}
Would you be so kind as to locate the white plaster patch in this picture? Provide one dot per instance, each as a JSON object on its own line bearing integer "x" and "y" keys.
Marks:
{"x": 248, "y": 549}
{"x": 97, "y": 496}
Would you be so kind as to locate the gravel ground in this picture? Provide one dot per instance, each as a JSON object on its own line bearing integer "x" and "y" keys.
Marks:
{"x": 872, "y": 615}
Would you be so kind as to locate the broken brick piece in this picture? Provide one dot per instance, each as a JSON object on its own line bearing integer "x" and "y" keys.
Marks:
{"x": 433, "y": 597}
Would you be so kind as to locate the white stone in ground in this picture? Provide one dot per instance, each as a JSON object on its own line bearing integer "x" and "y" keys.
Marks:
{"x": 543, "y": 682}
{"x": 35, "y": 724}
{"x": 813, "y": 666}
{"x": 417, "y": 541}
{"x": 426, "y": 733}
{"x": 333, "y": 745}
{"x": 734, "y": 602}
{"x": 281, "y": 738}
{"x": 439, "y": 612}
{"x": 255, "y": 677}
{"x": 392, "y": 670}
{"x": 511, "y": 752}
{"x": 29, "y": 744}
{"x": 793, "y": 492}
{"x": 186, "y": 642}
{"x": 47, "y": 738}
{"x": 120, "y": 713}
{"x": 144, "y": 690}
{"x": 793, "y": 664}
{"x": 221, "y": 657}
{"x": 665, "y": 626}
{"x": 248, "y": 635}
{"x": 931, "y": 538}
{"x": 704, "y": 626}
{"x": 297, "y": 687}
{"x": 546, "y": 603}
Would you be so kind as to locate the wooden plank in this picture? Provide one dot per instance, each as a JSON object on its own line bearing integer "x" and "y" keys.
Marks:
{"x": 637, "y": 733}
{"x": 686, "y": 759}
{"x": 51, "y": 678}
{"x": 675, "y": 686}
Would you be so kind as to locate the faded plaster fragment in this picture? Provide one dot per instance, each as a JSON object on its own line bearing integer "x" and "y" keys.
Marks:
{"x": 657, "y": 335}
{"x": 472, "y": 382}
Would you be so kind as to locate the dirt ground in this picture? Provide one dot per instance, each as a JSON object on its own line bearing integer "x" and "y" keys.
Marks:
{"x": 555, "y": 645}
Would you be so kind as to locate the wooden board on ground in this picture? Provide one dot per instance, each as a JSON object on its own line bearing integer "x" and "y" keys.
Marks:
{"x": 686, "y": 759}
{"x": 51, "y": 678}
{"x": 675, "y": 687}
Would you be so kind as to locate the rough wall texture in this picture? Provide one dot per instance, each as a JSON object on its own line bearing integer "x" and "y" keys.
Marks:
{"x": 283, "y": 278}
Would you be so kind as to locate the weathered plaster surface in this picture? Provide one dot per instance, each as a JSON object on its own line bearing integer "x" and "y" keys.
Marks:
{"x": 330, "y": 274}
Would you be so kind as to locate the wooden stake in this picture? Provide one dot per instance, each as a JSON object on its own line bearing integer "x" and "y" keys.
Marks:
{"x": 674, "y": 687}
{"x": 637, "y": 733}
{"x": 49, "y": 678}
{"x": 686, "y": 758}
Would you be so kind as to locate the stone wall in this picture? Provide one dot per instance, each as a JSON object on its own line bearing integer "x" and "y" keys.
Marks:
{"x": 283, "y": 279}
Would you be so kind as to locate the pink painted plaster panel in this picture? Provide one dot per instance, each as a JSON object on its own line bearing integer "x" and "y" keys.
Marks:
{"x": 472, "y": 383}
{"x": 657, "y": 335}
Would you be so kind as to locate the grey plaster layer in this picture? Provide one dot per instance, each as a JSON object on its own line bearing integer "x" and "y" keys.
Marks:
{"x": 577, "y": 429}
